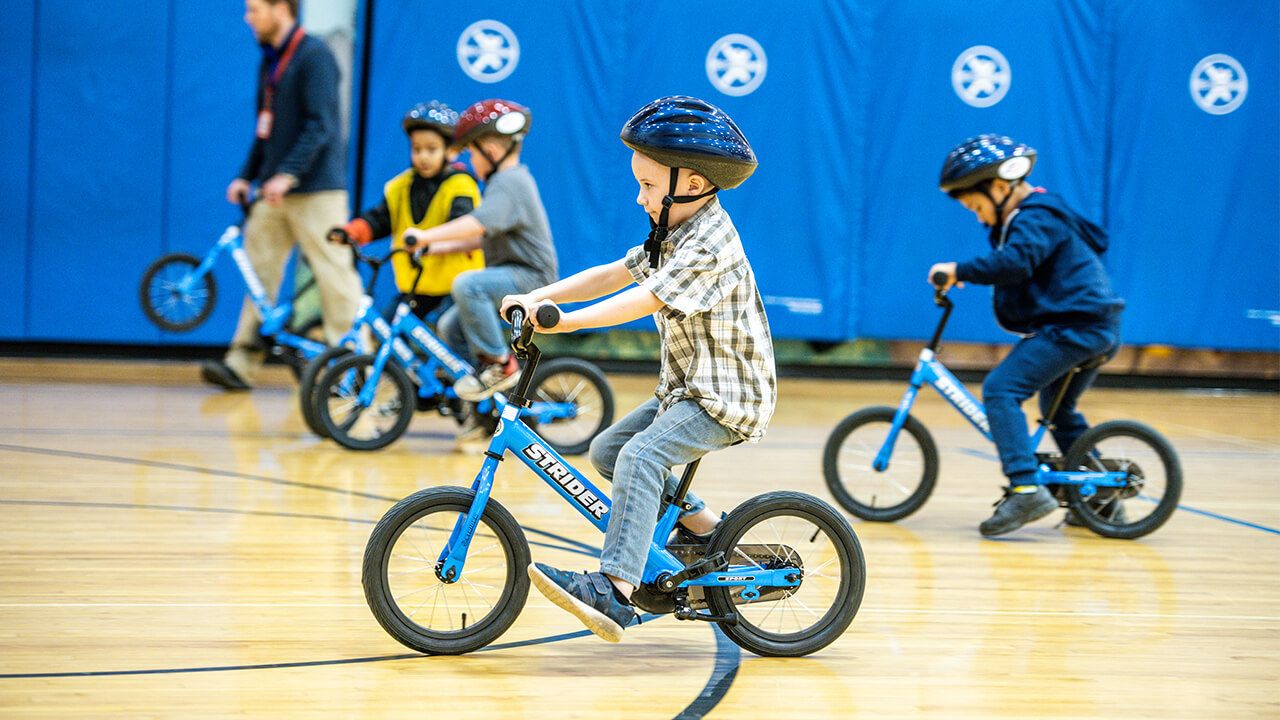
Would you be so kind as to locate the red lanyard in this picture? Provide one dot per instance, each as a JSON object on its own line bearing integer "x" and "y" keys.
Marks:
{"x": 265, "y": 115}
{"x": 274, "y": 79}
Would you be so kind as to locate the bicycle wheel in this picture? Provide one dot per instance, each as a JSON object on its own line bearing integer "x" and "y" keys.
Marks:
{"x": 805, "y": 534}
{"x": 418, "y": 608}
{"x": 569, "y": 380}
{"x": 307, "y": 387}
{"x": 165, "y": 304}
{"x": 884, "y": 496}
{"x": 1152, "y": 489}
{"x": 356, "y": 426}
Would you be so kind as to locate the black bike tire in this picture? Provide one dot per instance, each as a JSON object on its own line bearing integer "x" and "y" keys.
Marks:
{"x": 307, "y": 382}
{"x": 1168, "y": 456}
{"x": 831, "y": 465}
{"x": 377, "y": 554}
{"x": 849, "y": 598}
{"x": 407, "y": 406}
{"x": 144, "y": 296}
{"x": 597, "y": 379}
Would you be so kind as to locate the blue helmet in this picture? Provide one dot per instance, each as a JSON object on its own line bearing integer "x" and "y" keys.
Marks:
{"x": 433, "y": 115}
{"x": 985, "y": 157}
{"x": 684, "y": 132}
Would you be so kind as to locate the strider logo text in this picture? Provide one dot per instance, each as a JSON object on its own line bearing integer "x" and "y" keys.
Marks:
{"x": 565, "y": 479}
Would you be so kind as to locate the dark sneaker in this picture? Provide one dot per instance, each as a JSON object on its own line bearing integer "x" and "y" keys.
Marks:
{"x": 216, "y": 372}
{"x": 1017, "y": 508}
{"x": 1112, "y": 512}
{"x": 489, "y": 379}
{"x": 589, "y": 596}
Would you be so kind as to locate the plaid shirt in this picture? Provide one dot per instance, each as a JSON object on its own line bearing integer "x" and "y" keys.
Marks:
{"x": 716, "y": 346}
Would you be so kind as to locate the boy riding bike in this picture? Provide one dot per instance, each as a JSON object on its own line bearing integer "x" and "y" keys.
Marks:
{"x": 1051, "y": 288}
{"x": 717, "y": 383}
{"x": 429, "y": 193}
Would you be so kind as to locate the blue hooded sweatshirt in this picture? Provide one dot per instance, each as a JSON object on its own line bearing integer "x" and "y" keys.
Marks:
{"x": 1046, "y": 267}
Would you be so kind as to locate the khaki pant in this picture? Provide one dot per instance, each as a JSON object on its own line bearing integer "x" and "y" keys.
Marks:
{"x": 269, "y": 235}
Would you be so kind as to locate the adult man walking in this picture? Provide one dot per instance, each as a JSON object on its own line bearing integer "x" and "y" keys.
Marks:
{"x": 299, "y": 163}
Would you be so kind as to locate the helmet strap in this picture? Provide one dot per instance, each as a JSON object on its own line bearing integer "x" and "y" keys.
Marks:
{"x": 658, "y": 230}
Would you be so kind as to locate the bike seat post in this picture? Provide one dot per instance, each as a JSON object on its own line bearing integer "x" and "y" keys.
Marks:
{"x": 686, "y": 479}
{"x": 1047, "y": 420}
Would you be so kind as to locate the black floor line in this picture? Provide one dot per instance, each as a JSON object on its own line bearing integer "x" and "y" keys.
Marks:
{"x": 728, "y": 657}
{"x": 255, "y": 478}
{"x": 590, "y": 552}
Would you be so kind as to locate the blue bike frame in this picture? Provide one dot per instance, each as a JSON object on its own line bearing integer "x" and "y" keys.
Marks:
{"x": 274, "y": 319}
{"x": 438, "y": 357}
{"x": 512, "y": 434}
{"x": 930, "y": 370}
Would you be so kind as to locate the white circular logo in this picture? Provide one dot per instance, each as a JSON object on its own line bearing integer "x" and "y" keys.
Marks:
{"x": 1014, "y": 168}
{"x": 488, "y": 51}
{"x": 981, "y": 76}
{"x": 1218, "y": 84}
{"x": 736, "y": 65}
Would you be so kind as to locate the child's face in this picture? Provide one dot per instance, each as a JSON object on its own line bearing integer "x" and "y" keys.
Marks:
{"x": 428, "y": 152}
{"x": 655, "y": 181}
{"x": 981, "y": 205}
{"x": 493, "y": 146}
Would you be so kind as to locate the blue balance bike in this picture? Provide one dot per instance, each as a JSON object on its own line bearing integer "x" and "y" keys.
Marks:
{"x": 1121, "y": 479}
{"x": 445, "y": 570}
{"x": 178, "y": 292}
{"x": 365, "y": 402}
{"x": 368, "y": 325}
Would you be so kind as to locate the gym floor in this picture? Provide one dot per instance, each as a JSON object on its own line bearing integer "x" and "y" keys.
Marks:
{"x": 171, "y": 550}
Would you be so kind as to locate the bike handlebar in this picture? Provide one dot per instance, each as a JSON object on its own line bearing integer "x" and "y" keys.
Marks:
{"x": 939, "y": 279}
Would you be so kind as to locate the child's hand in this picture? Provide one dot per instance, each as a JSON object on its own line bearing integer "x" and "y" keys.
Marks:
{"x": 948, "y": 269}
{"x": 515, "y": 301}
{"x": 412, "y": 239}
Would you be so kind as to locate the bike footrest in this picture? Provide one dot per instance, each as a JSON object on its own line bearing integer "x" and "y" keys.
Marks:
{"x": 687, "y": 613}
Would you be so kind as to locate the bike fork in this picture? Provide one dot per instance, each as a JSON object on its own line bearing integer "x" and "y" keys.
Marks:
{"x": 454, "y": 555}
{"x": 881, "y": 463}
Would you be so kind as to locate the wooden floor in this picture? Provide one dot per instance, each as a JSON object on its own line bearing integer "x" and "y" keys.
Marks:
{"x": 170, "y": 551}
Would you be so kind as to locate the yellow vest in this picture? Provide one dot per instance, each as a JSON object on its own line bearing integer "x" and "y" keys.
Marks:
{"x": 438, "y": 271}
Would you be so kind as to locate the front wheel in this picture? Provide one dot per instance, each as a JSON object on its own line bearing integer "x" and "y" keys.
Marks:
{"x": 419, "y": 608}
{"x": 794, "y": 531}
{"x": 308, "y": 381}
{"x": 1153, "y": 483}
{"x": 354, "y": 424}
{"x": 166, "y": 303}
{"x": 882, "y": 496}
{"x": 578, "y": 397}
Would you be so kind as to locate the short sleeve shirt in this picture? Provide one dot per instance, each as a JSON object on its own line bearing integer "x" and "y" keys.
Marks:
{"x": 516, "y": 231}
{"x": 716, "y": 345}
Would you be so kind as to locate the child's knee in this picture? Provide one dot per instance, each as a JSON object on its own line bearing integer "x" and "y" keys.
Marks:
{"x": 602, "y": 453}
{"x": 465, "y": 285}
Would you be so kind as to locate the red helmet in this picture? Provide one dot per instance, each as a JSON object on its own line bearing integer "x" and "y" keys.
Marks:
{"x": 492, "y": 117}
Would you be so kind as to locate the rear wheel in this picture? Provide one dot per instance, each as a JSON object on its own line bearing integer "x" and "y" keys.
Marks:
{"x": 353, "y": 424}
{"x": 581, "y": 385}
{"x": 898, "y": 490}
{"x": 166, "y": 303}
{"x": 813, "y": 539}
{"x": 1153, "y": 483}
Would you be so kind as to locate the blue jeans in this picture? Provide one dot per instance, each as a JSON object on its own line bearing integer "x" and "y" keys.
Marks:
{"x": 1042, "y": 363}
{"x": 636, "y": 454}
{"x": 472, "y": 326}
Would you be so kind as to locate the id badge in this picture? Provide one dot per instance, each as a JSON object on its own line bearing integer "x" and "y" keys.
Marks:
{"x": 265, "y": 118}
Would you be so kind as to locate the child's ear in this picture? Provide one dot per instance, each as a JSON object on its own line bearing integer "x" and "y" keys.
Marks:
{"x": 698, "y": 184}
